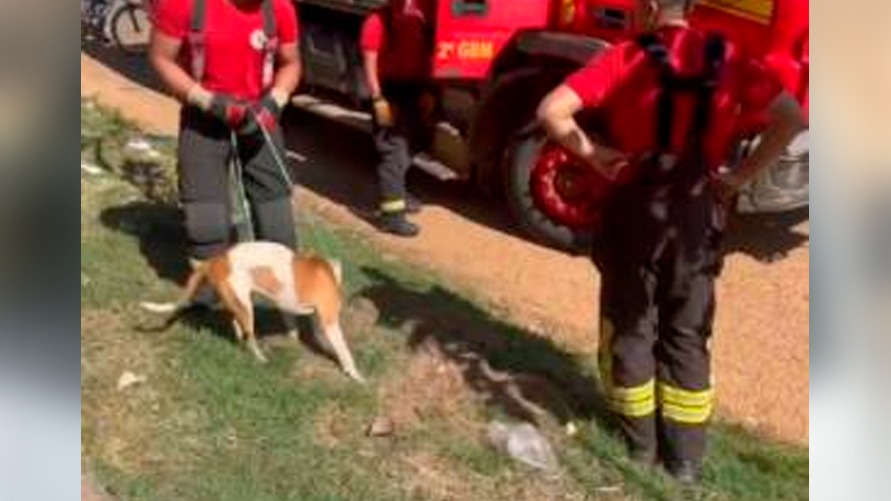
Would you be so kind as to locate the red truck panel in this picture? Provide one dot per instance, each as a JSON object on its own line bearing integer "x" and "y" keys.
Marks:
{"x": 609, "y": 20}
{"x": 471, "y": 33}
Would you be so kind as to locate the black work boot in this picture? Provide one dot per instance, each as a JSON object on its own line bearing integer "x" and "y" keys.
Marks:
{"x": 685, "y": 472}
{"x": 396, "y": 224}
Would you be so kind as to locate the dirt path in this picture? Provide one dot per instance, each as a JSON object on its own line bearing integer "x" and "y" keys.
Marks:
{"x": 761, "y": 344}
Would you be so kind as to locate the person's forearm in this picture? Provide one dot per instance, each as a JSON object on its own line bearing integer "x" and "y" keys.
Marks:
{"x": 773, "y": 143}
{"x": 371, "y": 77}
{"x": 568, "y": 134}
{"x": 286, "y": 80}
{"x": 177, "y": 80}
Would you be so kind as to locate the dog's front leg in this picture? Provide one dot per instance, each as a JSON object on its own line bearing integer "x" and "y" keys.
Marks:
{"x": 239, "y": 301}
{"x": 252, "y": 340}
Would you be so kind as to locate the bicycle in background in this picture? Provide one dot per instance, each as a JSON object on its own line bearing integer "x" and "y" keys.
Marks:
{"x": 124, "y": 23}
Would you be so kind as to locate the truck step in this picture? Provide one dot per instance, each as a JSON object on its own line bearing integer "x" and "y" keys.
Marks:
{"x": 434, "y": 167}
{"x": 352, "y": 118}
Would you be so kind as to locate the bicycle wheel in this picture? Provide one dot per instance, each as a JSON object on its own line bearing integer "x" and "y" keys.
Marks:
{"x": 131, "y": 28}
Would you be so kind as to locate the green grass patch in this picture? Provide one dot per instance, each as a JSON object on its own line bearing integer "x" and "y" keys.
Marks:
{"x": 209, "y": 423}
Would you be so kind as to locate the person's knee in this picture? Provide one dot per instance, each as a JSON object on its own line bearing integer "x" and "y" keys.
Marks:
{"x": 275, "y": 221}
{"x": 207, "y": 226}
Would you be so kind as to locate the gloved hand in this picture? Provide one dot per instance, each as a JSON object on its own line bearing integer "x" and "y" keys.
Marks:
{"x": 229, "y": 110}
{"x": 608, "y": 161}
{"x": 264, "y": 113}
{"x": 383, "y": 113}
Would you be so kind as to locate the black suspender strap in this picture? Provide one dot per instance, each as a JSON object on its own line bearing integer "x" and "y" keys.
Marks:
{"x": 268, "y": 18}
{"x": 713, "y": 62}
{"x": 196, "y": 38}
{"x": 270, "y": 46}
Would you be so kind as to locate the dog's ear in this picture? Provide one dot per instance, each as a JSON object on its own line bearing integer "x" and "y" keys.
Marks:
{"x": 338, "y": 270}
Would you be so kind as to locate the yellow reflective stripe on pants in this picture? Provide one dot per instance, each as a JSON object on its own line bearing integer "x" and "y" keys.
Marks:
{"x": 393, "y": 205}
{"x": 674, "y": 394}
{"x": 687, "y": 415}
{"x": 635, "y": 401}
{"x": 685, "y": 406}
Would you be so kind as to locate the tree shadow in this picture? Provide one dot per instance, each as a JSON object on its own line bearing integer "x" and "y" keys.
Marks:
{"x": 161, "y": 235}
{"x": 523, "y": 375}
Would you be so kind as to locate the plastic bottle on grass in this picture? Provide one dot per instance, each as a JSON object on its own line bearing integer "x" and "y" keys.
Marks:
{"x": 524, "y": 443}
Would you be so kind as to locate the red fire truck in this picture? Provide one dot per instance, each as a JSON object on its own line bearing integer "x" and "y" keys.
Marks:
{"x": 495, "y": 59}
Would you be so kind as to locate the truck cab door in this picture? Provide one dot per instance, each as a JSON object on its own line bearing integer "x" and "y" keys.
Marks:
{"x": 470, "y": 33}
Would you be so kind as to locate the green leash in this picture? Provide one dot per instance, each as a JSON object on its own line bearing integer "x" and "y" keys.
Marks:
{"x": 245, "y": 229}
{"x": 237, "y": 174}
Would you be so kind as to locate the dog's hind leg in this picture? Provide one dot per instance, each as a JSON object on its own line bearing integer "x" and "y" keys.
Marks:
{"x": 334, "y": 336}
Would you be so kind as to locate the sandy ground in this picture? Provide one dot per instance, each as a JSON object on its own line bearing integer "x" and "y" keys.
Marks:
{"x": 761, "y": 343}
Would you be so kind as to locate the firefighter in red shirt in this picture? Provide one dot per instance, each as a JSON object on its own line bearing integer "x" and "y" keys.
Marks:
{"x": 671, "y": 102}
{"x": 233, "y": 64}
{"x": 397, "y": 46}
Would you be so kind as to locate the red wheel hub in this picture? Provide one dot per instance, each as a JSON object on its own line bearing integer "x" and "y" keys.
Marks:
{"x": 567, "y": 191}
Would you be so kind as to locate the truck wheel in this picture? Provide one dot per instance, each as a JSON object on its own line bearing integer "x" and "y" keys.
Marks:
{"x": 550, "y": 195}
{"x": 783, "y": 186}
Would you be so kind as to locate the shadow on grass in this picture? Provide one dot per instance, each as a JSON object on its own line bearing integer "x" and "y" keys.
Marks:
{"x": 159, "y": 230}
{"x": 524, "y": 375}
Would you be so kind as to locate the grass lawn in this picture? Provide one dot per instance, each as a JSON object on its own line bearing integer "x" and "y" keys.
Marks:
{"x": 209, "y": 423}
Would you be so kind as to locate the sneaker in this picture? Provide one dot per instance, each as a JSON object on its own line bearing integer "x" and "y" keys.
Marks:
{"x": 685, "y": 472}
{"x": 397, "y": 224}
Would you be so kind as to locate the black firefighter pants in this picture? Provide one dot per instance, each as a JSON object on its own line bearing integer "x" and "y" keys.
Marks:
{"x": 396, "y": 144}
{"x": 659, "y": 255}
{"x": 206, "y": 191}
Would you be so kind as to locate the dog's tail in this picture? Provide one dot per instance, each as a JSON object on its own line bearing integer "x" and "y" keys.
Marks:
{"x": 175, "y": 310}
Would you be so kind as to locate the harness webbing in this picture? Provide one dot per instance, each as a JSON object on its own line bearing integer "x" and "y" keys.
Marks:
{"x": 198, "y": 44}
{"x": 702, "y": 85}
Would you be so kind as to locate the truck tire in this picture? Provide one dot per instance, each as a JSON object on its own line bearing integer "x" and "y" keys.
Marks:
{"x": 522, "y": 156}
{"x": 781, "y": 187}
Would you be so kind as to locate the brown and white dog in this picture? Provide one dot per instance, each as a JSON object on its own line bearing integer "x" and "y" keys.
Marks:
{"x": 296, "y": 284}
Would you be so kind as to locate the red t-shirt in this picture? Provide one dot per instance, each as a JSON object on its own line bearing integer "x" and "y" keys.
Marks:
{"x": 625, "y": 86}
{"x": 403, "y": 51}
{"x": 233, "y": 41}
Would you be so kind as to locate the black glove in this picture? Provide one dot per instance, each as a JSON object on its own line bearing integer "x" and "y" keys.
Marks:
{"x": 232, "y": 112}
{"x": 264, "y": 113}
